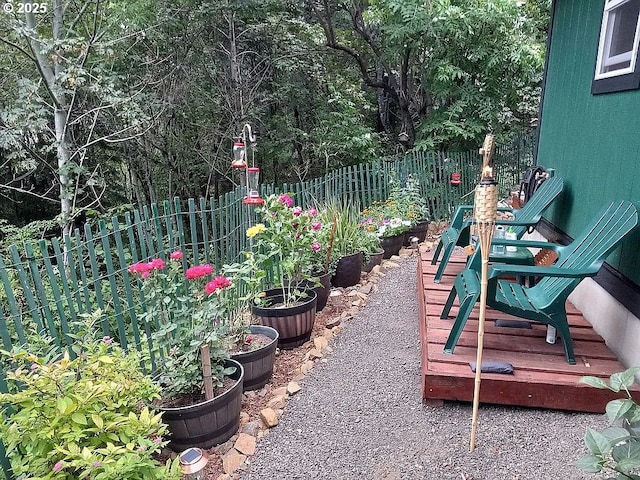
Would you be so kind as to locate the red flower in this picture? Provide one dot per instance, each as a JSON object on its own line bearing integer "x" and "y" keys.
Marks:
{"x": 199, "y": 271}
{"x": 217, "y": 283}
{"x": 176, "y": 255}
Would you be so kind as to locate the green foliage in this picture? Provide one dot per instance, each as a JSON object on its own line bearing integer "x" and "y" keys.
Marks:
{"x": 617, "y": 448}
{"x": 287, "y": 244}
{"x": 83, "y": 417}
{"x": 184, "y": 307}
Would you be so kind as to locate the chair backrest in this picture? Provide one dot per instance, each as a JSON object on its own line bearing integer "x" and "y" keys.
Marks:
{"x": 589, "y": 250}
{"x": 531, "y": 212}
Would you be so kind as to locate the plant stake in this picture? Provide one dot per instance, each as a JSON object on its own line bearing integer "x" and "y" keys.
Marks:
{"x": 486, "y": 203}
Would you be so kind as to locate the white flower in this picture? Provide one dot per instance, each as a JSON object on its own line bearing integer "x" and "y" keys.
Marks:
{"x": 395, "y": 223}
{"x": 406, "y": 223}
{"x": 381, "y": 230}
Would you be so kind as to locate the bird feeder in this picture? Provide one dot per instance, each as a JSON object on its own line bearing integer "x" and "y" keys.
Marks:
{"x": 455, "y": 179}
{"x": 192, "y": 463}
{"x": 253, "y": 190}
{"x": 238, "y": 155}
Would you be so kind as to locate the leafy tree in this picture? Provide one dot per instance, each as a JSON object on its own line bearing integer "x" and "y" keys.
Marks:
{"x": 444, "y": 71}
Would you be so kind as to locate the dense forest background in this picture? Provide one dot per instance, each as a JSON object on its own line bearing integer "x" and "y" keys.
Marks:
{"x": 108, "y": 104}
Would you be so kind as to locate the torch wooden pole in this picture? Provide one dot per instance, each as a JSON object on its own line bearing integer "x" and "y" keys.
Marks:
{"x": 486, "y": 202}
{"x": 483, "y": 308}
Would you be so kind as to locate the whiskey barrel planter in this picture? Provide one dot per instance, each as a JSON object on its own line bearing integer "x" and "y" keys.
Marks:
{"x": 294, "y": 324}
{"x": 391, "y": 245}
{"x": 322, "y": 291}
{"x": 419, "y": 230}
{"x": 258, "y": 363}
{"x": 348, "y": 271}
{"x": 374, "y": 259}
{"x": 207, "y": 423}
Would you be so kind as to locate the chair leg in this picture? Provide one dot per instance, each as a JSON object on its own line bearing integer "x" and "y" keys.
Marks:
{"x": 467, "y": 288}
{"x": 436, "y": 254}
{"x": 446, "y": 255}
{"x": 562, "y": 326}
{"x": 449, "y": 303}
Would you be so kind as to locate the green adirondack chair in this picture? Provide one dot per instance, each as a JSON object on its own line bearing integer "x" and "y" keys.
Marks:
{"x": 529, "y": 215}
{"x": 545, "y": 302}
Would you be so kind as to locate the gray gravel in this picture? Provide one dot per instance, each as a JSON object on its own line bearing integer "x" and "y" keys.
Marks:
{"x": 360, "y": 415}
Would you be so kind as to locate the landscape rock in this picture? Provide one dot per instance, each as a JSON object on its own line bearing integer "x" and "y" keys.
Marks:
{"x": 246, "y": 444}
{"x": 366, "y": 288}
{"x": 269, "y": 417}
{"x": 321, "y": 343}
{"x": 333, "y": 322}
{"x": 232, "y": 460}
{"x": 251, "y": 428}
{"x": 293, "y": 388}
{"x": 279, "y": 401}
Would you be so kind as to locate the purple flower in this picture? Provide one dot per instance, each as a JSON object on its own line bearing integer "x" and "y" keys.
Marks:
{"x": 286, "y": 200}
{"x": 315, "y": 246}
{"x": 58, "y": 466}
{"x": 107, "y": 340}
{"x": 316, "y": 225}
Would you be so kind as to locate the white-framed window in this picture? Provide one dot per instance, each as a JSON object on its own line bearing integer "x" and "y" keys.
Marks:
{"x": 619, "y": 39}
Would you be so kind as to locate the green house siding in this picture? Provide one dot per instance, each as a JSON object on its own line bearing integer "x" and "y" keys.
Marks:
{"x": 593, "y": 141}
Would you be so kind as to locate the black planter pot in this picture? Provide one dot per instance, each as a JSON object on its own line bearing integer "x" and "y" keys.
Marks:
{"x": 258, "y": 364}
{"x": 294, "y": 324}
{"x": 374, "y": 259}
{"x": 207, "y": 423}
{"x": 348, "y": 271}
{"x": 322, "y": 291}
{"x": 391, "y": 245}
{"x": 419, "y": 230}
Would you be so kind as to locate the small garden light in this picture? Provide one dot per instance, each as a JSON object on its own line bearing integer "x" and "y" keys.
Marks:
{"x": 192, "y": 463}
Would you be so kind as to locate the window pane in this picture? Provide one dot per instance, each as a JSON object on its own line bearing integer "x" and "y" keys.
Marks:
{"x": 621, "y": 30}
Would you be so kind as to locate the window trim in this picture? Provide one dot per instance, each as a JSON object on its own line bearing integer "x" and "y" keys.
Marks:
{"x": 627, "y": 78}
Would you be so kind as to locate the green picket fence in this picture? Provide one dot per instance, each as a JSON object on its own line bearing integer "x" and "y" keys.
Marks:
{"x": 48, "y": 286}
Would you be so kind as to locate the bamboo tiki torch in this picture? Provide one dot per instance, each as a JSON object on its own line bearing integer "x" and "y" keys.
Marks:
{"x": 485, "y": 205}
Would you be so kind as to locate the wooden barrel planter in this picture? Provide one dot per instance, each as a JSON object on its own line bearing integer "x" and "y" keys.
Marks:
{"x": 322, "y": 291}
{"x": 419, "y": 230}
{"x": 374, "y": 259}
{"x": 348, "y": 271}
{"x": 294, "y": 324}
{"x": 207, "y": 423}
{"x": 258, "y": 363}
{"x": 391, "y": 245}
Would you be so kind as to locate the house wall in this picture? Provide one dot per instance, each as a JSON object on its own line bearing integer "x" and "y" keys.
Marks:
{"x": 592, "y": 141}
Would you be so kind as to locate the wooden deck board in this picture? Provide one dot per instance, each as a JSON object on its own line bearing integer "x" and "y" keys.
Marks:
{"x": 542, "y": 377}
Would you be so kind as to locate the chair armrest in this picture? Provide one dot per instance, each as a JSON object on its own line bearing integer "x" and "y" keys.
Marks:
{"x": 457, "y": 221}
{"x": 497, "y": 270}
{"x": 530, "y": 243}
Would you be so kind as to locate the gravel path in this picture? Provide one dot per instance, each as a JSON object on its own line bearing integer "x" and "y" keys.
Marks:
{"x": 359, "y": 414}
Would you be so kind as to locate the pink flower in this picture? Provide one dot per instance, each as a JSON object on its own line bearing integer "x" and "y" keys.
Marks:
{"x": 107, "y": 340}
{"x": 316, "y": 225}
{"x": 96, "y": 463}
{"x": 34, "y": 366}
{"x": 199, "y": 271}
{"x": 176, "y": 255}
{"x": 157, "y": 263}
{"x": 157, "y": 439}
{"x": 313, "y": 212}
{"x": 217, "y": 283}
{"x": 295, "y": 224}
{"x": 315, "y": 246}
{"x": 286, "y": 200}
{"x": 58, "y": 466}
{"x": 297, "y": 211}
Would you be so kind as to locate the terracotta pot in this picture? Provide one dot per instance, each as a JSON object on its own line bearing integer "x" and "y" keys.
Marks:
{"x": 391, "y": 245}
{"x": 348, "y": 271}
{"x": 294, "y": 324}
{"x": 258, "y": 363}
{"x": 207, "y": 423}
{"x": 374, "y": 259}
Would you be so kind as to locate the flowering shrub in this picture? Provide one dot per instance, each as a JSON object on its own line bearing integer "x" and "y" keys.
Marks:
{"x": 403, "y": 208}
{"x": 191, "y": 310}
{"x": 82, "y": 417}
{"x": 290, "y": 242}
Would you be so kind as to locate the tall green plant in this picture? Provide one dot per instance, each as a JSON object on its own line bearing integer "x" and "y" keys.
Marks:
{"x": 617, "y": 448}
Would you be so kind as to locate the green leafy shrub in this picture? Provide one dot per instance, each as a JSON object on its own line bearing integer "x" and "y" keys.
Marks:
{"x": 617, "y": 448}
{"x": 83, "y": 417}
